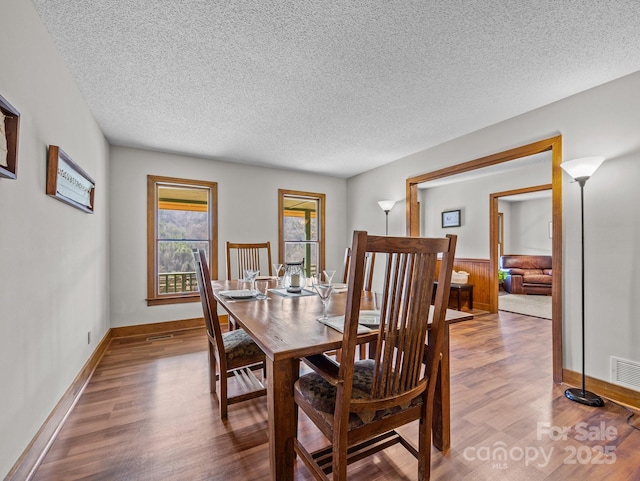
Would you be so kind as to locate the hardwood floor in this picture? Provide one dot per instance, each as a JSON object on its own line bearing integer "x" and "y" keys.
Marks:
{"x": 147, "y": 415}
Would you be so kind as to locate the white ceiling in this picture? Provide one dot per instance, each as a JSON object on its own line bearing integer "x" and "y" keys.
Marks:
{"x": 330, "y": 86}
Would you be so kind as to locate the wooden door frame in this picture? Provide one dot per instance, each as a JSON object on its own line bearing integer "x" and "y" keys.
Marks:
{"x": 494, "y": 255}
{"x": 553, "y": 144}
{"x": 500, "y": 238}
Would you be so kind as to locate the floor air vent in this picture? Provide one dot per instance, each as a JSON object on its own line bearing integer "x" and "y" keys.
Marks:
{"x": 625, "y": 373}
{"x": 160, "y": 338}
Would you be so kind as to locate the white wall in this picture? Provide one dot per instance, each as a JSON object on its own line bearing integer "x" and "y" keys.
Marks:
{"x": 247, "y": 210}
{"x": 53, "y": 257}
{"x": 472, "y": 198}
{"x": 600, "y": 121}
{"x": 529, "y": 227}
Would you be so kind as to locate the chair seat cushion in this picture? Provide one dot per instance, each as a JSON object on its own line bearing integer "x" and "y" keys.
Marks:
{"x": 240, "y": 349}
{"x": 322, "y": 396}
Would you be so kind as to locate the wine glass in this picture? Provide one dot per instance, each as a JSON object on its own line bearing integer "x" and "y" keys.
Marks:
{"x": 250, "y": 275}
{"x": 277, "y": 268}
{"x": 328, "y": 275}
{"x": 324, "y": 291}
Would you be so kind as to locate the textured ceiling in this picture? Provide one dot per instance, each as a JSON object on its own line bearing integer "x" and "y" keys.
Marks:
{"x": 334, "y": 87}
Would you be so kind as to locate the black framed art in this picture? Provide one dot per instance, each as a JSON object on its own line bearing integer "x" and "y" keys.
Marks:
{"x": 451, "y": 218}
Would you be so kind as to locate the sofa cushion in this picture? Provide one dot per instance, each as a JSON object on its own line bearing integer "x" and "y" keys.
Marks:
{"x": 514, "y": 271}
{"x": 525, "y": 262}
{"x": 536, "y": 279}
{"x": 532, "y": 272}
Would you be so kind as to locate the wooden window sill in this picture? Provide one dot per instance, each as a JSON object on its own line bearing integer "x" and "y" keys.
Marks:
{"x": 178, "y": 299}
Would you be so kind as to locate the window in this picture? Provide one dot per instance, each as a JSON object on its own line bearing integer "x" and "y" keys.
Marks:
{"x": 301, "y": 225}
{"x": 181, "y": 215}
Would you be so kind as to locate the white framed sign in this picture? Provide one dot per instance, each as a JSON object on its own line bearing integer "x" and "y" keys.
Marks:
{"x": 67, "y": 182}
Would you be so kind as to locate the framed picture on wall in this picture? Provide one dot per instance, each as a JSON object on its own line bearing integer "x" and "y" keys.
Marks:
{"x": 451, "y": 218}
{"x": 9, "y": 127}
{"x": 67, "y": 182}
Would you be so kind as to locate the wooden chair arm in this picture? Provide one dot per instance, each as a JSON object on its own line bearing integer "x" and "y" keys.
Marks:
{"x": 359, "y": 405}
{"x": 325, "y": 367}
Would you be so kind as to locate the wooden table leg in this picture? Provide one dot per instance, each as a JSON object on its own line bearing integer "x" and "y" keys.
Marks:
{"x": 442, "y": 408}
{"x": 283, "y": 419}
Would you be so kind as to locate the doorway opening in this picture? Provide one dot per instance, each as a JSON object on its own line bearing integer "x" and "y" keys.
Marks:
{"x": 490, "y": 281}
{"x": 533, "y": 245}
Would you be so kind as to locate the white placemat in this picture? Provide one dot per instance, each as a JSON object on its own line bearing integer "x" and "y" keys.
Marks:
{"x": 337, "y": 323}
{"x": 283, "y": 292}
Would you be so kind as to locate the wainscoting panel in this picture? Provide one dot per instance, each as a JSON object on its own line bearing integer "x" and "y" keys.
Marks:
{"x": 478, "y": 270}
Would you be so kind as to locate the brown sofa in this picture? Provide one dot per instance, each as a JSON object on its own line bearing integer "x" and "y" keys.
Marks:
{"x": 527, "y": 274}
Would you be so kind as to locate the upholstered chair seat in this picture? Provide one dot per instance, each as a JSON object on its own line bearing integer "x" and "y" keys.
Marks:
{"x": 240, "y": 349}
{"x": 322, "y": 395}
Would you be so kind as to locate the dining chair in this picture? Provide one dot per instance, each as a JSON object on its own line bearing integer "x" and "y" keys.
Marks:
{"x": 358, "y": 405}
{"x": 232, "y": 353}
{"x": 241, "y": 256}
{"x": 370, "y": 259}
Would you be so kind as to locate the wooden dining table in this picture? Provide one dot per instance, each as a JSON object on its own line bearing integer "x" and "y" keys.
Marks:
{"x": 286, "y": 329}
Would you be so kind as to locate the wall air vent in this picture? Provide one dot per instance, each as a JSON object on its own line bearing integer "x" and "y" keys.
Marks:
{"x": 625, "y": 373}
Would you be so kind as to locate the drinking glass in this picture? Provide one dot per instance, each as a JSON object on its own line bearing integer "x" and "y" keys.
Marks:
{"x": 250, "y": 275}
{"x": 328, "y": 275}
{"x": 277, "y": 268}
{"x": 324, "y": 291}
{"x": 262, "y": 287}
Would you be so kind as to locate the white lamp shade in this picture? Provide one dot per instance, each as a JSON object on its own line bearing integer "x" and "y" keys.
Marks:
{"x": 582, "y": 168}
{"x": 386, "y": 205}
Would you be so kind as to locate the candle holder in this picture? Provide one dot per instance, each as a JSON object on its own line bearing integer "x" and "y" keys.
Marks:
{"x": 294, "y": 277}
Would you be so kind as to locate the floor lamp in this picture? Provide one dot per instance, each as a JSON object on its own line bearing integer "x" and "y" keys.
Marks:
{"x": 386, "y": 206}
{"x": 581, "y": 170}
